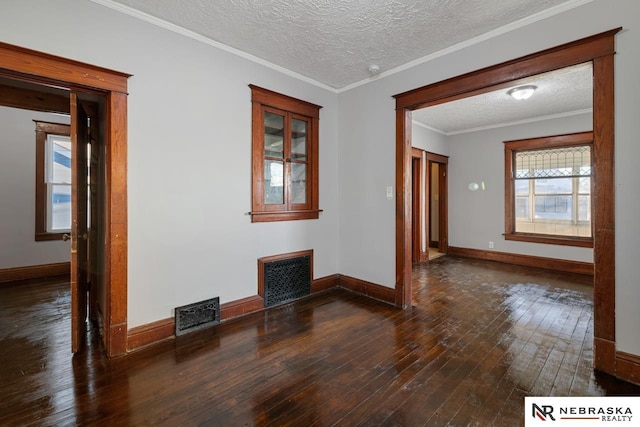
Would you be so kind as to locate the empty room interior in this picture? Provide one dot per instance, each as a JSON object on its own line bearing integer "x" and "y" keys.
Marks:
{"x": 316, "y": 213}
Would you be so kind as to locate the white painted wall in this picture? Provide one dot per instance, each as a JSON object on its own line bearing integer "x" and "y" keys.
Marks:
{"x": 477, "y": 217}
{"x": 18, "y": 247}
{"x": 189, "y": 146}
{"x": 367, "y": 142}
{"x": 189, "y": 154}
{"x": 429, "y": 140}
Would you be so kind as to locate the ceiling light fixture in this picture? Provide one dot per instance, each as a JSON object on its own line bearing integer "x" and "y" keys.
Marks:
{"x": 522, "y": 92}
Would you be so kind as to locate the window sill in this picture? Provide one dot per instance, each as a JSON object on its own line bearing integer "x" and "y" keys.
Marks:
{"x": 284, "y": 215}
{"x": 583, "y": 242}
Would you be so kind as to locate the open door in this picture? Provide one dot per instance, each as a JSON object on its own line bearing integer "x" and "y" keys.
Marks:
{"x": 79, "y": 234}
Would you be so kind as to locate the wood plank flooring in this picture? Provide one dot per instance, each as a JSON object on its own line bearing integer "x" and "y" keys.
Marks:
{"x": 480, "y": 337}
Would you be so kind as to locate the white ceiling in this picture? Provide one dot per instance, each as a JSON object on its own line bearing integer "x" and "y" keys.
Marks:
{"x": 560, "y": 93}
{"x": 333, "y": 42}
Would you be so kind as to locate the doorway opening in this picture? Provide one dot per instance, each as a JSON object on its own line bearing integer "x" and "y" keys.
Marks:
{"x": 108, "y": 88}
{"x": 437, "y": 195}
{"x": 599, "y": 50}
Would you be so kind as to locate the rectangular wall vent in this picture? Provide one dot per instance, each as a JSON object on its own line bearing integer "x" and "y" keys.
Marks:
{"x": 196, "y": 316}
{"x": 286, "y": 279}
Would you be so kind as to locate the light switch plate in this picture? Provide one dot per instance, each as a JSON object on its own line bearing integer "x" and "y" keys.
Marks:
{"x": 389, "y": 192}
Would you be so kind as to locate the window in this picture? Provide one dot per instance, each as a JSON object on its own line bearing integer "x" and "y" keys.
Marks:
{"x": 284, "y": 157}
{"x": 53, "y": 181}
{"x": 548, "y": 189}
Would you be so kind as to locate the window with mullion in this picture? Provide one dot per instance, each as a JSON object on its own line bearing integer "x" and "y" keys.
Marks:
{"x": 284, "y": 157}
{"x": 548, "y": 189}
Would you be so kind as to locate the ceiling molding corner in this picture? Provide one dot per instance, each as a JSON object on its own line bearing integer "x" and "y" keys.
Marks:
{"x": 134, "y": 13}
{"x": 556, "y": 10}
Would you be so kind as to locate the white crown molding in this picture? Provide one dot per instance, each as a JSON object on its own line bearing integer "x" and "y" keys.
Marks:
{"x": 206, "y": 40}
{"x": 521, "y": 122}
{"x": 571, "y": 4}
{"x": 425, "y": 126}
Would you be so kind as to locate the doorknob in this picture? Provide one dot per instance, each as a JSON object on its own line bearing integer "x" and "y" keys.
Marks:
{"x": 66, "y": 237}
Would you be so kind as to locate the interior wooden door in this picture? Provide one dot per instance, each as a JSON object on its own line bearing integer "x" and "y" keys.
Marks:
{"x": 79, "y": 140}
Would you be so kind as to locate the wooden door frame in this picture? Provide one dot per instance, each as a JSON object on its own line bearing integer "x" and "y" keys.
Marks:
{"x": 599, "y": 50}
{"x": 417, "y": 205}
{"x": 443, "y": 205}
{"x": 46, "y": 69}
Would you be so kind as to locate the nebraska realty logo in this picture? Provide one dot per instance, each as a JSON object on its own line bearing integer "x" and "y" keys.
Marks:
{"x": 581, "y": 411}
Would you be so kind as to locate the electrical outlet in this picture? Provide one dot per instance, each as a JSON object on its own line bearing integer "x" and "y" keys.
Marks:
{"x": 490, "y": 245}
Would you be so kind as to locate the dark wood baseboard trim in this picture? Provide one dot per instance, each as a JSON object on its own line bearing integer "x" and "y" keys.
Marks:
{"x": 424, "y": 256}
{"x": 604, "y": 355}
{"x": 151, "y": 333}
{"x": 526, "y": 260}
{"x": 628, "y": 367}
{"x": 34, "y": 271}
{"x": 160, "y": 330}
{"x": 371, "y": 290}
{"x": 240, "y": 307}
{"x": 325, "y": 283}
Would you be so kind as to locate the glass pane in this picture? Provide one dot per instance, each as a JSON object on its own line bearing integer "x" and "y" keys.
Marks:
{"x": 522, "y": 207}
{"x": 298, "y": 183}
{"x": 584, "y": 186}
{"x": 60, "y": 159}
{"x": 553, "y": 207}
{"x": 60, "y": 204}
{"x": 554, "y": 186}
{"x": 273, "y": 135}
{"x": 584, "y": 208}
{"x": 273, "y": 182}
{"x": 522, "y": 187}
{"x": 554, "y": 162}
{"x": 298, "y": 139}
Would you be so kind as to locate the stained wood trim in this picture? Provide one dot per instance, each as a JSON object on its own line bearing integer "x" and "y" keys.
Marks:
{"x": 604, "y": 355}
{"x": 154, "y": 332}
{"x": 604, "y": 247}
{"x": 15, "y": 97}
{"x": 403, "y": 208}
{"x": 491, "y": 78}
{"x": 43, "y": 130}
{"x": 512, "y": 147}
{"x": 151, "y": 333}
{"x": 284, "y": 102}
{"x": 325, "y": 283}
{"x": 116, "y": 233}
{"x": 554, "y": 264}
{"x": 417, "y": 202}
{"x": 240, "y": 307}
{"x": 34, "y": 271}
{"x": 60, "y": 70}
{"x": 628, "y": 367}
{"x": 43, "y": 68}
{"x": 369, "y": 289}
{"x": 290, "y": 108}
{"x": 598, "y": 49}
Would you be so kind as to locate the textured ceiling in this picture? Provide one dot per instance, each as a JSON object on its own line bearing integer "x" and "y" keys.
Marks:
{"x": 334, "y": 41}
{"x": 561, "y": 92}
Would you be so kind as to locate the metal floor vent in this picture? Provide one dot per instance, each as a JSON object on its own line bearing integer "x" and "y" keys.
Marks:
{"x": 286, "y": 280}
{"x": 196, "y": 316}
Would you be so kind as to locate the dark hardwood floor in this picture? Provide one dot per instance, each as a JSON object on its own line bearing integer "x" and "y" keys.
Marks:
{"x": 479, "y": 338}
